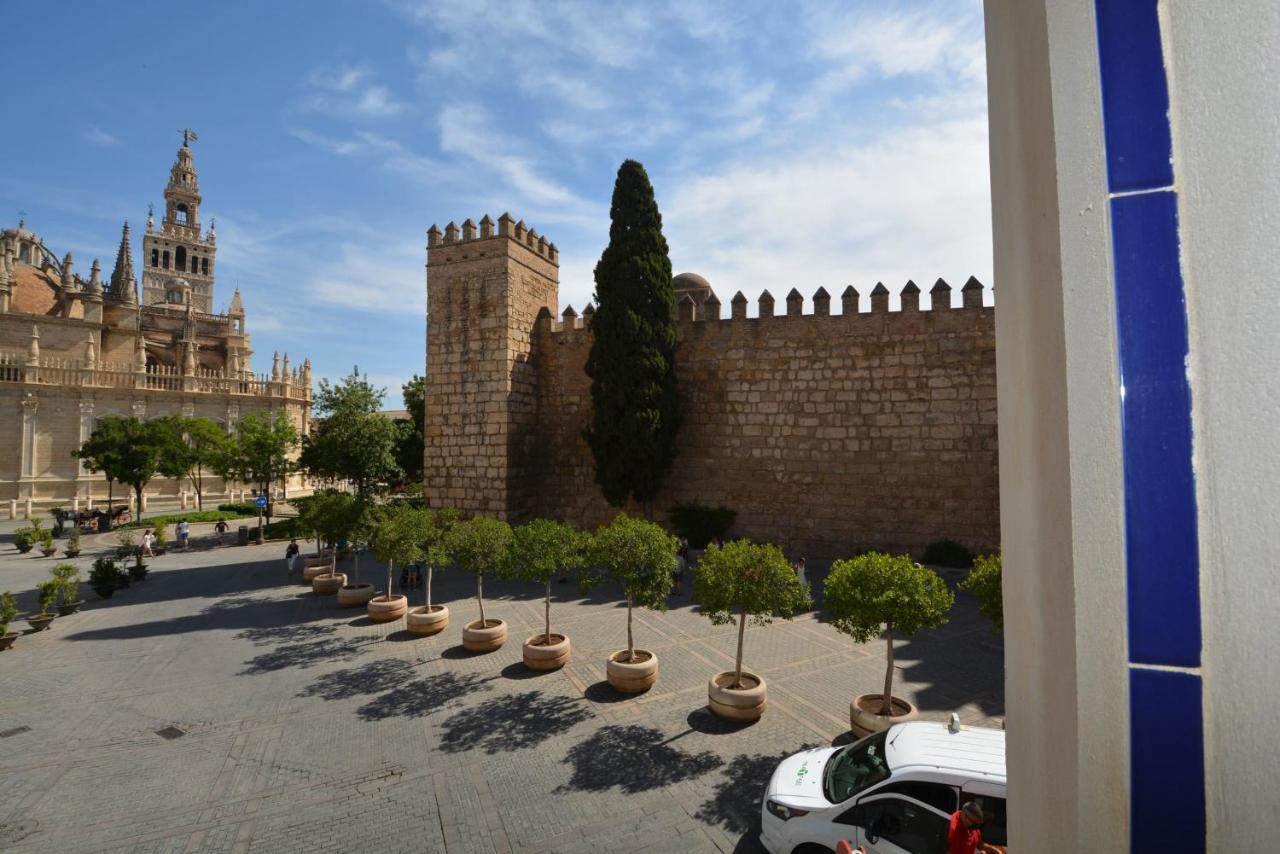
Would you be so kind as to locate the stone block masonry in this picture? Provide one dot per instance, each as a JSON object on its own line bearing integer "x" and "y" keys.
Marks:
{"x": 824, "y": 432}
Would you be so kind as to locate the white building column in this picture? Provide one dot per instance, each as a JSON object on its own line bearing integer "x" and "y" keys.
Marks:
{"x": 30, "y": 429}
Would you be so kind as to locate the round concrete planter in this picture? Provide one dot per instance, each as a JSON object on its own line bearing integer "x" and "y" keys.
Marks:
{"x": 40, "y": 622}
{"x": 428, "y": 621}
{"x": 737, "y": 704}
{"x": 539, "y": 655}
{"x": 49, "y": 552}
{"x": 485, "y": 637}
{"x": 632, "y": 677}
{"x": 328, "y": 583}
{"x": 312, "y": 560}
{"x": 6, "y": 641}
{"x": 309, "y": 572}
{"x": 355, "y": 595}
{"x": 864, "y": 717}
{"x": 382, "y": 609}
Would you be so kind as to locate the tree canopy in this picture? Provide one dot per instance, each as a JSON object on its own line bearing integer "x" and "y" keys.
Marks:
{"x": 985, "y": 582}
{"x": 747, "y": 578}
{"x": 410, "y": 439}
{"x": 350, "y": 440}
{"x": 637, "y": 554}
{"x": 635, "y": 407}
{"x": 126, "y": 449}
{"x": 261, "y": 453}
{"x": 192, "y": 446}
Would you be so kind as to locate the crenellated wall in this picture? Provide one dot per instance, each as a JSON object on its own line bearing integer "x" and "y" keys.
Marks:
{"x": 823, "y": 431}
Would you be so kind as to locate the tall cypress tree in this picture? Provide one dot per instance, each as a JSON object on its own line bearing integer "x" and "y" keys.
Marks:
{"x": 635, "y": 408}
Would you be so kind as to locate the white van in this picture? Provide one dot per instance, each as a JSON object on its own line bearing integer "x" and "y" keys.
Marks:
{"x": 892, "y": 792}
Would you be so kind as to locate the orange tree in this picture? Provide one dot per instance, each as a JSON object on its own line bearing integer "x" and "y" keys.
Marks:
{"x": 637, "y": 554}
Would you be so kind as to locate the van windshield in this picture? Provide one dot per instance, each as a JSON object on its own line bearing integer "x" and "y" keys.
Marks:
{"x": 855, "y": 768}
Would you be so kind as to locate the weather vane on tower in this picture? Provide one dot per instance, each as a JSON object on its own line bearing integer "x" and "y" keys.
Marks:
{"x": 188, "y": 136}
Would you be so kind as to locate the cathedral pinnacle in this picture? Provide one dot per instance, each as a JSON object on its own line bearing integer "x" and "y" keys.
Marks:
{"x": 123, "y": 286}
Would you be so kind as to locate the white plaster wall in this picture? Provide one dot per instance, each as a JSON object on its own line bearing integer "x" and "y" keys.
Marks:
{"x": 1224, "y": 62}
{"x": 1060, "y": 464}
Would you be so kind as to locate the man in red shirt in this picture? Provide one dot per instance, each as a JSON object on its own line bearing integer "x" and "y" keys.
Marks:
{"x": 964, "y": 836}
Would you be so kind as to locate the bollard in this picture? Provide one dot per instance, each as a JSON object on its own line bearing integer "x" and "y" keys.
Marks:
{"x": 13, "y": 508}
{"x": 28, "y": 508}
{"x": 75, "y": 504}
{"x": 182, "y": 500}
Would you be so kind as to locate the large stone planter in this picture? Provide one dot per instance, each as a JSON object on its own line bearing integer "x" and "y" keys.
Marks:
{"x": 313, "y": 560}
{"x": 737, "y": 704}
{"x": 355, "y": 595}
{"x": 69, "y": 608}
{"x": 383, "y": 609}
{"x": 40, "y": 622}
{"x": 328, "y": 583}
{"x": 428, "y": 621}
{"x": 864, "y": 716}
{"x": 632, "y": 677}
{"x": 6, "y": 641}
{"x": 310, "y": 572}
{"x": 540, "y": 655}
{"x": 484, "y": 638}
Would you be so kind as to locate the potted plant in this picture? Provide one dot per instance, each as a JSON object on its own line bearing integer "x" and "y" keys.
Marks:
{"x": 8, "y": 613}
{"x": 539, "y": 550}
{"x": 877, "y": 592}
{"x": 393, "y": 539}
{"x": 44, "y": 536}
{"x": 433, "y": 527}
{"x": 25, "y": 538}
{"x": 126, "y": 545}
{"x": 479, "y": 546}
{"x": 985, "y": 583}
{"x": 48, "y": 593}
{"x": 68, "y": 577}
{"x": 161, "y": 533}
{"x": 356, "y": 593}
{"x": 740, "y": 581}
{"x": 103, "y": 577}
{"x": 330, "y": 516}
{"x": 73, "y": 542}
{"x": 137, "y": 572}
{"x": 641, "y": 557}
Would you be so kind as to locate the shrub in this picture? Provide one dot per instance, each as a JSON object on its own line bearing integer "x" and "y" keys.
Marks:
{"x": 73, "y": 539}
{"x": 47, "y": 590}
{"x": 239, "y": 508}
{"x": 138, "y": 570}
{"x": 700, "y": 525}
{"x": 947, "y": 553}
{"x": 44, "y": 537}
{"x": 126, "y": 546}
{"x": 67, "y": 575}
{"x": 8, "y": 612}
{"x": 161, "y": 533}
{"x": 24, "y": 538}
{"x": 985, "y": 582}
{"x": 284, "y": 529}
{"x": 103, "y": 577}
{"x": 876, "y": 592}
{"x": 191, "y": 516}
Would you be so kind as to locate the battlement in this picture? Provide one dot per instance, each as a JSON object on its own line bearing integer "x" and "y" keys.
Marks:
{"x": 689, "y": 311}
{"x": 507, "y": 227}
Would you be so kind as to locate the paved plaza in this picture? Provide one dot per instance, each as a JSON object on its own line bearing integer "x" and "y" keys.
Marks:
{"x": 218, "y": 706}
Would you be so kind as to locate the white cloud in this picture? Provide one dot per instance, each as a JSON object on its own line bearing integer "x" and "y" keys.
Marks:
{"x": 99, "y": 137}
{"x": 350, "y": 91}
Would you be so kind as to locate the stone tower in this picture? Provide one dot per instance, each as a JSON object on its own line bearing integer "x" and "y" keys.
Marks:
{"x": 178, "y": 260}
{"x": 485, "y": 290}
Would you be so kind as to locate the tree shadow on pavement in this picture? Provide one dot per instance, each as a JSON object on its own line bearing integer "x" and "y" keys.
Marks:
{"x": 633, "y": 758}
{"x": 512, "y": 721}
{"x": 705, "y": 721}
{"x": 372, "y": 678}
{"x": 735, "y": 804}
{"x": 293, "y": 634}
{"x": 422, "y": 696}
{"x": 307, "y": 654}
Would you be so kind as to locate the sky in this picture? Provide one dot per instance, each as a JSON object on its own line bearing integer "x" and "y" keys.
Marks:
{"x": 789, "y": 145}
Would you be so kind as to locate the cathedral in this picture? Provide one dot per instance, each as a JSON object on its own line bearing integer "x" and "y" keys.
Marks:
{"x": 74, "y": 349}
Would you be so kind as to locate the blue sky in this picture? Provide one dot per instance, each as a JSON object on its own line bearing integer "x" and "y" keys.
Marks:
{"x": 790, "y": 144}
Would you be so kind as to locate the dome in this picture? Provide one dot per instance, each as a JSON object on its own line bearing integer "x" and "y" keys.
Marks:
{"x": 690, "y": 282}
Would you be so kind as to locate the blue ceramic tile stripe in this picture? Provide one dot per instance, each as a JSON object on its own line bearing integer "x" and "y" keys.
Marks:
{"x": 1167, "y": 803}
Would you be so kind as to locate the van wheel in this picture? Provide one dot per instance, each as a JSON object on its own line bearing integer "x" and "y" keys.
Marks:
{"x": 811, "y": 848}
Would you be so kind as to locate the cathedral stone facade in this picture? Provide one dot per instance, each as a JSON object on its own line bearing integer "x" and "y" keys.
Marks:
{"x": 76, "y": 348}
{"x": 825, "y": 432}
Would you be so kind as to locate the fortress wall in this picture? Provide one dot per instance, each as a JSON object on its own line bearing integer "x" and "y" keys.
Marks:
{"x": 823, "y": 432}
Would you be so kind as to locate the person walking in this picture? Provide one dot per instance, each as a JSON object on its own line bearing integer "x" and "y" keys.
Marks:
{"x": 799, "y": 568}
{"x": 148, "y": 540}
{"x": 682, "y": 564}
{"x": 184, "y": 534}
{"x": 964, "y": 834}
{"x": 220, "y": 529}
{"x": 291, "y": 555}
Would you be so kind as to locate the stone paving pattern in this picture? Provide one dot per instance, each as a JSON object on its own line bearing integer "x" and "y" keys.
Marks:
{"x": 309, "y": 728}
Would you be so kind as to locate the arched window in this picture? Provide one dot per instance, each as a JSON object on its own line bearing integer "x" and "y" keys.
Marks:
{"x": 180, "y": 258}
{"x": 204, "y": 266}
{"x": 155, "y": 257}
{"x": 164, "y": 259}
{"x": 24, "y": 253}
{"x": 193, "y": 263}
{"x": 181, "y": 214}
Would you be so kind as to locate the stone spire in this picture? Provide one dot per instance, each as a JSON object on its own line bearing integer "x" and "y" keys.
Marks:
{"x": 237, "y": 307}
{"x": 68, "y": 278}
{"x": 123, "y": 285}
{"x": 95, "y": 278}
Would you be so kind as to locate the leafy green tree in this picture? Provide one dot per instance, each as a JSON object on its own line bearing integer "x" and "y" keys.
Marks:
{"x": 878, "y": 592}
{"x": 410, "y": 439}
{"x": 540, "y": 549}
{"x": 433, "y": 540}
{"x": 747, "y": 580}
{"x": 635, "y": 408}
{"x": 261, "y": 452}
{"x": 350, "y": 440}
{"x": 986, "y": 582}
{"x": 190, "y": 447}
{"x": 393, "y": 537}
{"x": 640, "y": 556}
{"x": 330, "y": 515}
{"x": 480, "y": 546}
{"x": 127, "y": 450}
